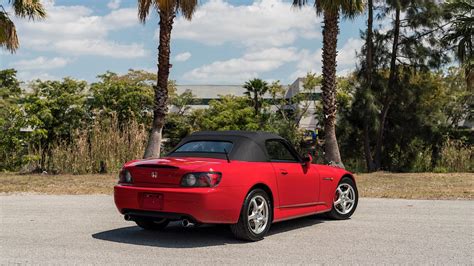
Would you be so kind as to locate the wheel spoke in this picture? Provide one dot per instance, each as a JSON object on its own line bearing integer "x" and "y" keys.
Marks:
{"x": 254, "y": 205}
{"x": 253, "y": 217}
{"x": 338, "y": 201}
{"x": 257, "y": 224}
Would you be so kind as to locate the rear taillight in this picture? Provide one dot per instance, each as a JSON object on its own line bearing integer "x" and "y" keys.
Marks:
{"x": 125, "y": 177}
{"x": 201, "y": 179}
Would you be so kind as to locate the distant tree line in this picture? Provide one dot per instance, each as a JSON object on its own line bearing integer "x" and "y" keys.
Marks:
{"x": 75, "y": 127}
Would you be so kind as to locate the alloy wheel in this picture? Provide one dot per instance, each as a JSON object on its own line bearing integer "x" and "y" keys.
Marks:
{"x": 344, "y": 198}
{"x": 258, "y": 214}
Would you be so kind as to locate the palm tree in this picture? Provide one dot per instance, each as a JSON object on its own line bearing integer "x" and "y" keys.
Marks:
{"x": 31, "y": 9}
{"x": 331, "y": 10}
{"x": 256, "y": 88}
{"x": 167, "y": 10}
{"x": 460, "y": 34}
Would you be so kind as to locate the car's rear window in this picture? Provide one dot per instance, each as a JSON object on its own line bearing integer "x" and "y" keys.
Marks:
{"x": 205, "y": 146}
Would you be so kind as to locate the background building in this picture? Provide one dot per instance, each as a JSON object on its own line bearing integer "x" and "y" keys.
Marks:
{"x": 205, "y": 93}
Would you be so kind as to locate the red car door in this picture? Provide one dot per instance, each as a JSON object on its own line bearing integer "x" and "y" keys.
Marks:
{"x": 297, "y": 185}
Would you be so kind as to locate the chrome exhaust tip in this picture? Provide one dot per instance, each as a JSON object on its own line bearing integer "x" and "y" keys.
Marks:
{"x": 127, "y": 217}
{"x": 187, "y": 223}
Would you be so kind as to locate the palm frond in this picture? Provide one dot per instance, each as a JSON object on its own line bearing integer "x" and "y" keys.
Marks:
{"x": 187, "y": 8}
{"x": 352, "y": 8}
{"x": 165, "y": 5}
{"x": 8, "y": 36}
{"x": 31, "y": 9}
{"x": 300, "y": 3}
{"x": 143, "y": 9}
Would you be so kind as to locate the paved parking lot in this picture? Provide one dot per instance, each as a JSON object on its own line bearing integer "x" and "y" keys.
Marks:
{"x": 38, "y": 229}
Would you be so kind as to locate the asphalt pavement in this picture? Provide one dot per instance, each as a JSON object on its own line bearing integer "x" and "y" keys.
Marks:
{"x": 40, "y": 229}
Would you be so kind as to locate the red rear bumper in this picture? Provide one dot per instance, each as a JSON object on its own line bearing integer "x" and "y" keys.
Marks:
{"x": 205, "y": 205}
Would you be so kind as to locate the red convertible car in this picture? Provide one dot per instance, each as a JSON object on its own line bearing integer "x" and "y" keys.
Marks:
{"x": 248, "y": 180}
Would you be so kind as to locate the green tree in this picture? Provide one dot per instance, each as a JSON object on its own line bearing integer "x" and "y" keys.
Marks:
{"x": 459, "y": 34}
{"x": 255, "y": 90}
{"x": 54, "y": 109}
{"x": 227, "y": 113}
{"x": 331, "y": 10}
{"x": 167, "y": 10}
{"x": 31, "y": 9}
{"x": 411, "y": 44}
{"x": 12, "y": 141}
{"x": 128, "y": 97}
{"x": 180, "y": 120}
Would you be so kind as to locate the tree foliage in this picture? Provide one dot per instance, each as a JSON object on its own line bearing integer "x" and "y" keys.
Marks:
{"x": 30, "y": 9}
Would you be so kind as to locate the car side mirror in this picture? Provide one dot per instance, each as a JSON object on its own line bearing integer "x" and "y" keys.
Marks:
{"x": 307, "y": 159}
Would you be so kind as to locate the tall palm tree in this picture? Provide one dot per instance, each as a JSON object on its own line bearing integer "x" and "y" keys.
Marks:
{"x": 255, "y": 89}
{"x": 167, "y": 10}
{"x": 31, "y": 9}
{"x": 460, "y": 35}
{"x": 331, "y": 10}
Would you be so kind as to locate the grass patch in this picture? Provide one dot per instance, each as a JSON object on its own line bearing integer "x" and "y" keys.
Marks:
{"x": 57, "y": 184}
{"x": 376, "y": 185}
{"x": 416, "y": 185}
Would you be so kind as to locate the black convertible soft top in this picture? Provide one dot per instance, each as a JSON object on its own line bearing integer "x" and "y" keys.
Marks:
{"x": 247, "y": 145}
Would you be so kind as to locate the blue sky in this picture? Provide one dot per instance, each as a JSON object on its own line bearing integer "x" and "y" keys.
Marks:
{"x": 227, "y": 42}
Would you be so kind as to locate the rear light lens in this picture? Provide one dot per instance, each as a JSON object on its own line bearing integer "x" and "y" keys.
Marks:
{"x": 125, "y": 177}
{"x": 201, "y": 179}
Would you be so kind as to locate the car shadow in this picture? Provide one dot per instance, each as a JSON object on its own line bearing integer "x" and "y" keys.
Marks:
{"x": 176, "y": 236}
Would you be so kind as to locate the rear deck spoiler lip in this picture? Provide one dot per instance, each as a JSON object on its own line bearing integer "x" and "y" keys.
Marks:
{"x": 156, "y": 166}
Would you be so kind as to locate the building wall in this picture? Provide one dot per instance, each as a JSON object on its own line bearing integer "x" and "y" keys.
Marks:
{"x": 209, "y": 92}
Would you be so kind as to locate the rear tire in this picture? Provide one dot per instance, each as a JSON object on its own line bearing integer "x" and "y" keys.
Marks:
{"x": 255, "y": 218}
{"x": 152, "y": 225}
{"x": 345, "y": 200}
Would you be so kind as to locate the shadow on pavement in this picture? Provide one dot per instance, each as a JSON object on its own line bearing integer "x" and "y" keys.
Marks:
{"x": 176, "y": 236}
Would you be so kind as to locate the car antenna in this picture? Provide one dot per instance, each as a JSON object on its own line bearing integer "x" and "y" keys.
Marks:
{"x": 226, "y": 155}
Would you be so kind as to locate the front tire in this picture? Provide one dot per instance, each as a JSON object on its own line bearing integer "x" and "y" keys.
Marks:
{"x": 152, "y": 225}
{"x": 345, "y": 200}
{"x": 255, "y": 218}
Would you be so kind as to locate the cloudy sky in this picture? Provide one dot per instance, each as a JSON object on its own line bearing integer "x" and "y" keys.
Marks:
{"x": 227, "y": 42}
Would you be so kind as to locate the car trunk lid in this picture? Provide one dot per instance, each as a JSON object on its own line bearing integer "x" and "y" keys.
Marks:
{"x": 166, "y": 172}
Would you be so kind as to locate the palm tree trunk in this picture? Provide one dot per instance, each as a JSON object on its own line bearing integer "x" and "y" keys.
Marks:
{"x": 161, "y": 89}
{"x": 369, "y": 71}
{"x": 330, "y": 32}
{"x": 392, "y": 85}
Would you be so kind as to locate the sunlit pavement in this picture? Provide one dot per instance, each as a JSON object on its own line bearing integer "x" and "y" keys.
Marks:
{"x": 38, "y": 229}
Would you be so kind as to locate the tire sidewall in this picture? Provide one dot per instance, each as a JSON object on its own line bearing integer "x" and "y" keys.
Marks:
{"x": 243, "y": 215}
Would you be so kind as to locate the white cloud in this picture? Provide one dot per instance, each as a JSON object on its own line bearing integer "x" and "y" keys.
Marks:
{"x": 312, "y": 61}
{"x": 34, "y": 75}
{"x": 347, "y": 54}
{"x": 265, "y": 23}
{"x": 307, "y": 62}
{"x": 249, "y": 66}
{"x": 182, "y": 57}
{"x": 114, "y": 4}
{"x": 101, "y": 48}
{"x": 75, "y": 30}
{"x": 256, "y": 62}
{"x": 40, "y": 63}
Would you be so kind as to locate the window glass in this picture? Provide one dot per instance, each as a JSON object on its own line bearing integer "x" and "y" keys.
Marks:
{"x": 278, "y": 152}
{"x": 205, "y": 146}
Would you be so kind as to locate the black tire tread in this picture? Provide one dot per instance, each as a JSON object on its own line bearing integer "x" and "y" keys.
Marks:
{"x": 240, "y": 229}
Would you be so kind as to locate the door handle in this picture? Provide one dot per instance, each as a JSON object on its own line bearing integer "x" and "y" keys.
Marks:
{"x": 283, "y": 172}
